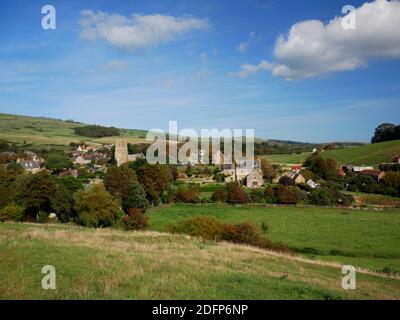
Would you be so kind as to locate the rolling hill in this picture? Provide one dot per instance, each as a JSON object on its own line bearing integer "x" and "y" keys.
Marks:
{"x": 369, "y": 154}
{"x": 112, "y": 264}
{"x": 41, "y": 131}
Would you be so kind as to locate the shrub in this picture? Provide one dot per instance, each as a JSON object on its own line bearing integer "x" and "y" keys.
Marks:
{"x": 210, "y": 228}
{"x": 206, "y": 227}
{"x": 287, "y": 195}
{"x": 245, "y": 232}
{"x": 11, "y": 212}
{"x": 236, "y": 194}
{"x": 346, "y": 199}
{"x": 270, "y": 195}
{"x": 96, "y": 207}
{"x": 136, "y": 219}
{"x": 42, "y": 217}
{"x": 219, "y": 195}
{"x": 257, "y": 196}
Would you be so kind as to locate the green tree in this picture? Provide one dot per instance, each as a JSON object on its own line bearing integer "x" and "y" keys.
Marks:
{"x": 72, "y": 184}
{"x": 57, "y": 162}
{"x": 35, "y": 192}
{"x": 117, "y": 180}
{"x": 136, "y": 197}
{"x": 155, "y": 179}
{"x": 7, "y": 186}
{"x": 96, "y": 207}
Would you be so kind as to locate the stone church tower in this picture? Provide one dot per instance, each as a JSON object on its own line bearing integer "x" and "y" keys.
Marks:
{"x": 121, "y": 151}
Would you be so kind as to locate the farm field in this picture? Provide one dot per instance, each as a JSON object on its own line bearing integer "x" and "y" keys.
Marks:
{"x": 43, "y": 132}
{"x": 369, "y": 154}
{"x": 112, "y": 264}
{"x": 364, "y": 238}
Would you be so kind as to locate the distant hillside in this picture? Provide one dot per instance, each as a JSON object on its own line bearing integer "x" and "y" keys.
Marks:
{"x": 369, "y": 154}
{"x": 41, "y": 131}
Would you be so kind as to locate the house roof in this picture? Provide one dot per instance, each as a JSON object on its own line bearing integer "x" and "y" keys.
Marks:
{"x": 29, "y": 164}
{"x": 371, "y": 172}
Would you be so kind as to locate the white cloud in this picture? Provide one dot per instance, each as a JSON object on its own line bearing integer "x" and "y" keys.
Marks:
{"x": 244, "y": 46}
{"x": 312, "y": 48}
{"x": 137, "y": 31}
{"x": 250, "y": 69}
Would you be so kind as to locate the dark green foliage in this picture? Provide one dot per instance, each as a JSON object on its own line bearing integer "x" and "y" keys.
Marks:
{"x": 96, "y": 207}
{"x": 37, "y": 192}
{"x": 186, "y": 193}
{"x": 324, "y": 196}
{"x": 4, "y": 146}
{"x": 386, "y": 132}
{"x": 11, "y": 212}
{"x": 257, "y": 195}
{"x": 7, "y": 186}
{"x": 57, "y": 162}
{"x": 134, "y": 165}
{"x": 287, "y": 195}
{"x": 326, "y": 169}
{"x": 72, "y": 184}
{"x": 95, "y": 131}
{"x": 155, "y": 179}
{"x": 117, "y": 180}
{"x": 135, "y": 198}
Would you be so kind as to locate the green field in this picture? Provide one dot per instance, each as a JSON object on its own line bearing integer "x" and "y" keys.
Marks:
{"x": 370, "y": 154}
{"x": 111, "y": 264}
{"x": 366, "y": 239}
{"x": 42, "y": 132}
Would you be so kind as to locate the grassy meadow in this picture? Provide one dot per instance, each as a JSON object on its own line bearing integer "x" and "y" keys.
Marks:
{"x": 364, "y": 238}
{"x": 42, "y": 132}
{"x": 369, "y": 154}
{"x": 112, "y": 264}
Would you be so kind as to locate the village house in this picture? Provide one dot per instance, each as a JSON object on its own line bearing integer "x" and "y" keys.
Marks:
{"x": 69, "y": 172}
{"x": 312, "y": 184}
{"x": 377, "y": 175}
{"x": 358, "y": 169}
{"x": 81, "y": 161}
{"x": 254, "y": 179}
{"x": 85, "y": 149}
{"x": 296, "y": 177}
{"x": 29, "y": 165}
{"x": 247, "y": 172}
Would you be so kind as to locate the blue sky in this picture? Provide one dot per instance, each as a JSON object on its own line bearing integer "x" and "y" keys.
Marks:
{"x": 206, "y": 64}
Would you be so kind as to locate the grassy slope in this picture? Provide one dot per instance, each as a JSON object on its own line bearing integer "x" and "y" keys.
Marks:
{"x": 370, "y": 154}
{"x": 42, "y": 131}
{"x": 99, "y": 264}
{"x": 367, "y": 239}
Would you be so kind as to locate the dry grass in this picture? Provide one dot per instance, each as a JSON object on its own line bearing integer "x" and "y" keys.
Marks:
{"x": 116, "y": 264}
